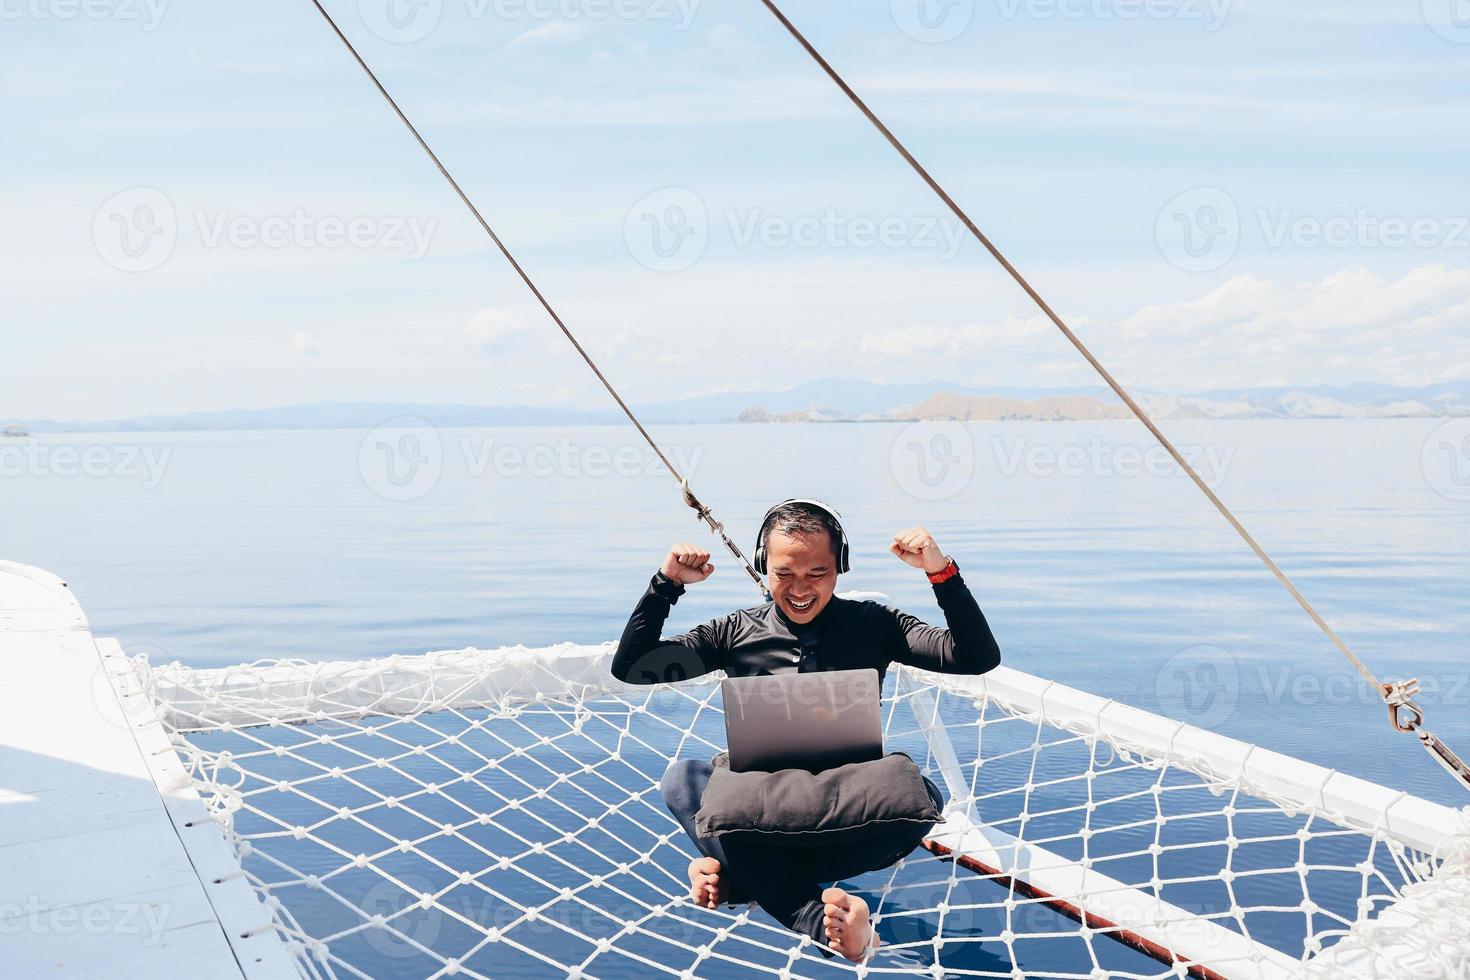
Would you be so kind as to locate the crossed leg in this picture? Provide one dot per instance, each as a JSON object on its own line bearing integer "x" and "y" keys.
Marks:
{"x": 785, "y": 881}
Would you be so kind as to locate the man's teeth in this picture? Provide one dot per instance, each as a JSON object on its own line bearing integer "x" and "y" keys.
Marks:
{"x": 802, "y": 605}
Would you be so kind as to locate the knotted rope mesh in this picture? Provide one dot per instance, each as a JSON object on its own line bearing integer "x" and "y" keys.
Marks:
{"x": 494, "y": 814}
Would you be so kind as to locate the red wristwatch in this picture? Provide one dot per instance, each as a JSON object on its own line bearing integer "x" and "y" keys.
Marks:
{"x": 945, "y": 574}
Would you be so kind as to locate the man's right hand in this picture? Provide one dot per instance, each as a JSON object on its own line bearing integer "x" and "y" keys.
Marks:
{"x": 687, "y": 564}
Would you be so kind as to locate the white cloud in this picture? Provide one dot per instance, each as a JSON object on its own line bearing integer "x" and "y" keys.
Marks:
{"x": 553, "y": 32}
{"x": 491, "y": 329}
{"x": 1350, "y": 326}
{"x": 769, "y": 331}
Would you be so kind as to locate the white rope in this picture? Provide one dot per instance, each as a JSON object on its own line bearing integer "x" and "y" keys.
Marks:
{"x": 489, "y": 814}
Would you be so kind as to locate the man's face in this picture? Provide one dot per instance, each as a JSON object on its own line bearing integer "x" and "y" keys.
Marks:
{"x": 802, "y": 573}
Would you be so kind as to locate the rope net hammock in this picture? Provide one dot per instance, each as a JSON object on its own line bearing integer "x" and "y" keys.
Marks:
{"x": 497, "y": 814}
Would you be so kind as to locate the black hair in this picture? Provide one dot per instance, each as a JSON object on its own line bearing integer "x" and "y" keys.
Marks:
{"x": 802, "y": 520}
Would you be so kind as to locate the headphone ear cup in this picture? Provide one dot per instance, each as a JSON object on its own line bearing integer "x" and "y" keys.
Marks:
{"x": 760, "y": 560}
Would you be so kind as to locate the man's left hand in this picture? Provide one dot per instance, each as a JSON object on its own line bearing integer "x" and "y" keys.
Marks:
{"x": 917, "y": 547}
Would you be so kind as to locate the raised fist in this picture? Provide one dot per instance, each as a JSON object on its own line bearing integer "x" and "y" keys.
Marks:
{"x": 687, "y": 564}
{"x": 917, "y": 547}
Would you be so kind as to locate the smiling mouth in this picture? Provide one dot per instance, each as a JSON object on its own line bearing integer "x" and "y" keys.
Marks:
{"x": 802, "y": 606}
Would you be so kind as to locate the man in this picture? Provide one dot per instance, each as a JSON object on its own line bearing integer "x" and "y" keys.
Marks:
{"x": 802, "y": 549}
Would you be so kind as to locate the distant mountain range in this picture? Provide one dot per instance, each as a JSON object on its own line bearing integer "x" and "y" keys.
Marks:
{"x": 837, "y": 400}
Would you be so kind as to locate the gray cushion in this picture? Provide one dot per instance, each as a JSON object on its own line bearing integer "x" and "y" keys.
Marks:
{"x": 835, "y": 806}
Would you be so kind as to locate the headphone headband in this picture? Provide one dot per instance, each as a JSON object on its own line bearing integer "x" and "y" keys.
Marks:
{"x": 840, "y": 544}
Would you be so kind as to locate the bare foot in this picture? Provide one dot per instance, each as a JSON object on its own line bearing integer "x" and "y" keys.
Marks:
{"x": 705, "y": 885}
{"x": 847, "y": 925}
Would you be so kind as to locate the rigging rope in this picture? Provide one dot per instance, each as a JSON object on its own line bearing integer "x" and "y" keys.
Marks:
{"x": 690, "y": 499}
{"x": 1405, "y": 715}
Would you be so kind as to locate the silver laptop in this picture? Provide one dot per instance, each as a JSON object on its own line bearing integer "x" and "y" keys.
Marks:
{"x": 813, "y": 721}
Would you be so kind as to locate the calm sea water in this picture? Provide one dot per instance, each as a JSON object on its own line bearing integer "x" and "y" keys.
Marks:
{"x": 1097, "y": 564}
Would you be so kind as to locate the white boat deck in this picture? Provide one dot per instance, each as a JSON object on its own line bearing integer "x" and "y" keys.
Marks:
{"x": 109, "y": 864}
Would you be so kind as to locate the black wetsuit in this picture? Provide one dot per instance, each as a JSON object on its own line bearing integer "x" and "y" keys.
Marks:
{"x": 846, "y": 635}
{"x": 787, "y": 881}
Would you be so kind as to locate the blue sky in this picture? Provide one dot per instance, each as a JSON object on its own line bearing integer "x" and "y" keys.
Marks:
{"x": 212, "y": 208}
